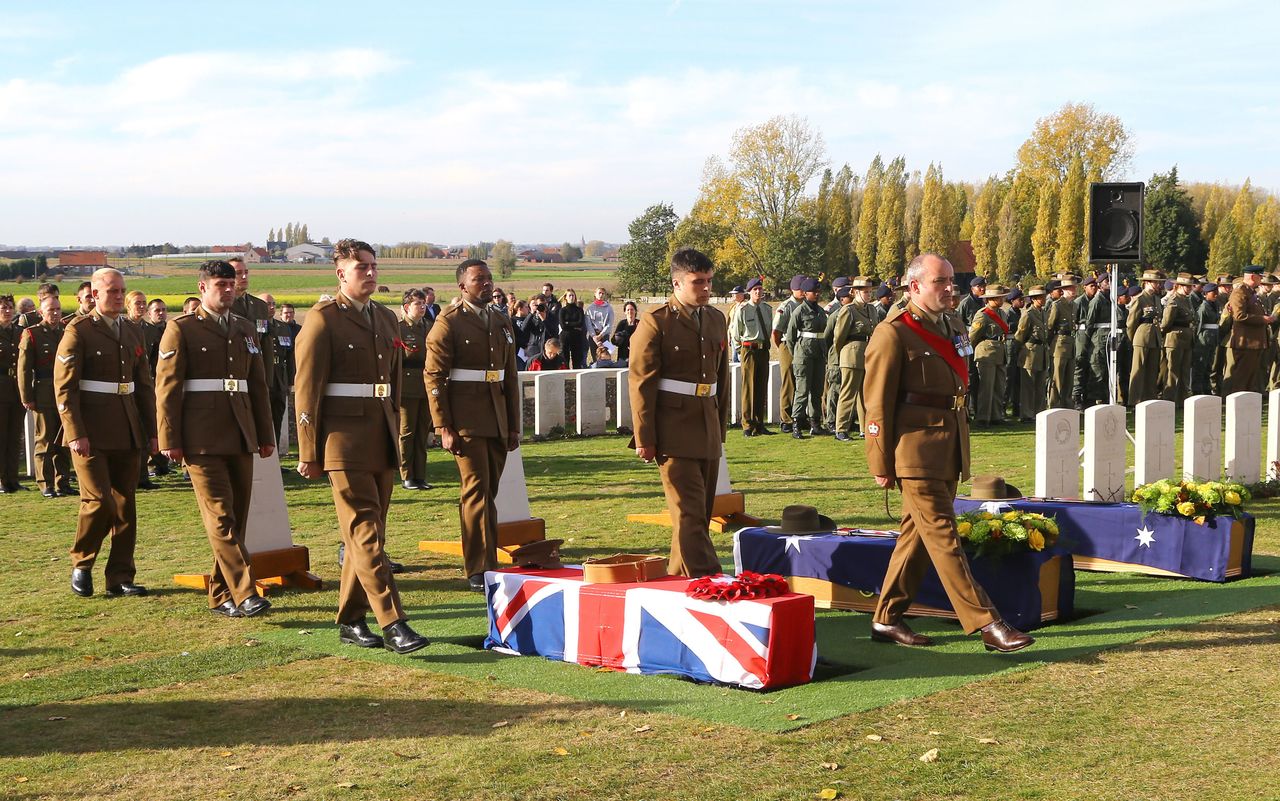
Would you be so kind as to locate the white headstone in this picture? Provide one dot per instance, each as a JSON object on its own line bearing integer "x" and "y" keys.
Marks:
{"x": 1273, "y": 434}
{"x": 513, "y": 494}
{"x": 1057, "y": 446}
{"x": 624, "y": 399}
{"x": 1154, "y": 453}
{"x": 268, "y": 527}
{"x": 282, "y": 443}
{"x": 723, "y": 486}
{"x": 1202, "y": 437}
{"x": 1105, "y": 453}
{"x": 735, "y": 393}
{"x": 29, "y": 442}
{"x": 1244, "y": 437}
{"x": 548, "y": 401}
{"x": 592, "y": 414}
{"x": 775, "y": 392}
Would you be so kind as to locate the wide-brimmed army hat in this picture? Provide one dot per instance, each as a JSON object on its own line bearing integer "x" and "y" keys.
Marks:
{"x": 801, "y": 519}
{"x": 1037, "y": 292}
{"x": 993, "y": 488}
{"x": 1187, "y": 279}
{"x": 1151, "y": 275}
{"x": 995, "y": 292}
{"x": 861, "y": 282}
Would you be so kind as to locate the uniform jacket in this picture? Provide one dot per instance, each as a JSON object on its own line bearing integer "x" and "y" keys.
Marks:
{"x": 89, "y": 351}
{"x": 36, "y": 357}
{"x": 782, "y": 315}
{"x": 1248, "y": 328}
{"x": 668, "y": 344}
{"x": 969, "y": 306}
{"x": 413, "y": 341}
{"x": 459, "y": 339}
{"x": 809, "y": 318}
{"x": 987, "y": 336}
{"x": 1207, "y": 330}
{"x": 745, "y": 322}
{"x": 1143, "y": 319}
{"x": 281, "y": 337}
{"x": 338, "y": 345}
{"x": 9, "y": 364}
{"x": 1061, "y": 320}
{"x": 854, "y": 324}
{"x": 1178, "y": 322}
{"x": 152, "y": 333}
{"x": 203, "y": 422}
{"x": 255, "y": 310}
{"x": 1033, "y": 333}
{"x": 908, "y": 440}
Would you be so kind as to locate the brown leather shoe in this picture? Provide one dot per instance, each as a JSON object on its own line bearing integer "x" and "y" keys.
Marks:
{"x": 897, "y": 632}
{"x": 1000, "y": 636}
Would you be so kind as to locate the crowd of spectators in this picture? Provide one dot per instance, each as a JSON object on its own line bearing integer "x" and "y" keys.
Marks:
{"x": 562, "y": 333}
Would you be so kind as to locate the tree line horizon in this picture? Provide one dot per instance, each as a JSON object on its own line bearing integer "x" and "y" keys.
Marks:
{"x": 755, "y": 216}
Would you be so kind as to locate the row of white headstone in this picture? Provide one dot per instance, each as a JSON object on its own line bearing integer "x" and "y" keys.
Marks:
{"x": 1206, "y": 453}
{"x": 591, "y": 408}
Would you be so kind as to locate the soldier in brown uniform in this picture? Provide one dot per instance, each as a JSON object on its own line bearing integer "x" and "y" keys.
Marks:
{"x": 1143, "y": 326}
{"x": 1062, "y": 329}
{"x": 348, "y": 393}
{"x": 36, "y": 358}
{"x": 102, "y": 385}
{"x": 257, "y": 311}
{"x": 680, "y": 406}
{"x": 474, "y": 394}
{"x": 1249, "y": 333}
{"x": 918, "y": 437}
{"x": 12, "y": 414}
{"x": 987, "y": 333}
{"x": 1033, "y": 360}
{"x": 415, "y": 412}
{"x": 1178, "y": 325}
{"x": 278, "y": 368}
{"x": 213, "y": 414}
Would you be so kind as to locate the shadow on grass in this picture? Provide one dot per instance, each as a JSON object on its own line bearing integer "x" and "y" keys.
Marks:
{"x": 128, "y": 725}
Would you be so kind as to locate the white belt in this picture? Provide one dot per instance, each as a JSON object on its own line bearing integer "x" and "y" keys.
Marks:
{"x": 357, "y": 390}
{"x": 486, "y": 376}
{"x": 1209, "y": 327}
{"x": 215, "y": 385}
{"x": 1102, "y": 325}
{"x": 811, "y": 335}
{"x": 107, "y": 387}
{"x": 687, "y": 388}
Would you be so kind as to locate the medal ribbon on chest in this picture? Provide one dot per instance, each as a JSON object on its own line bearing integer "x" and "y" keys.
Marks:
{"x": 945, "y": 347}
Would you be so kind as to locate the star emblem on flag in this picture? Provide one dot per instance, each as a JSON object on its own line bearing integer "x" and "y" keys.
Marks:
{"x": 1145, "y": 537}
{"x": 793, "y": 542}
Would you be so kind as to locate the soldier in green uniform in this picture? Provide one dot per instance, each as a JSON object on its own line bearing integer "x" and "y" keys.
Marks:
{"x": 853, "y": 329}
{"x": 1205, "y": 346}
{"x": 1177, "y": 325}
{"x": 1081, "y": 377}
{"x": 1143, "y": 326}
{"x": 831, "y": 393}
{"x": 415, "y": 412}
{"x": 1013, "y": 306}
{"x": 1124, "y": 348}
{"x": 1097, "y": 321}
{"x": 805, "y": 328}
{"x": 987, "y": 333}
{"x": 781, "y": 319}
{"x": 36, "y": 357}
{"x": 1062, "y": 328}
{"x": 1034, "y": 358}
{"x": 1225, "y": 284}
{"x": 751, "y": 329}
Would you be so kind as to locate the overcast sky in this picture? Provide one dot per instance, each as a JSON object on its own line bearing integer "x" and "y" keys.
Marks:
{"x": 536, "y": 121}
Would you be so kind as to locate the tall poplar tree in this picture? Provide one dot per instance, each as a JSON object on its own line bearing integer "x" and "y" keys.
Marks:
{"x": 985, "y": 239}
{"x": 1008, "y": 234}
{"x": 868, "y": 217}
{"x": 890, "y": 218}
{"x": 1044, "y": 236}
{"x": 933, "y": 213}
{"x": 1266, "y": 233}
{"x": 1071, "y": 210}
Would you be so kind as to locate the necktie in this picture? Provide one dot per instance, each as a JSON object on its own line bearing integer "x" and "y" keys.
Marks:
{"x": 760, "y": 321}
{"x": 222, "y": 322}
{"x": 697, "y": 318}
{"x": 368, "y": 314}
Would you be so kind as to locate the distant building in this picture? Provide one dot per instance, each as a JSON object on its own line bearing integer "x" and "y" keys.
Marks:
{"x": 611, "y": 255}
{"x": 308, "y": 253}
{"x": 81, "y": 262}
{"x": 541, "y": 256}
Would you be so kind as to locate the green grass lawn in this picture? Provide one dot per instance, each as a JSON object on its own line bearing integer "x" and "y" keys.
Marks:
{"x": 156, "y": 698}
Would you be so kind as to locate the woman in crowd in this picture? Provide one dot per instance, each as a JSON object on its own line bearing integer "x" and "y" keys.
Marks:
{"x": 550, "y": 359}
{"x": 498, "y": 302}
{"x": 573, "y": 330}
{"x": 622, "y": 332}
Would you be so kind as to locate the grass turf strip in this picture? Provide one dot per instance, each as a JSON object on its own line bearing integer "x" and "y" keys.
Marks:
{"x": 853, "y": 673}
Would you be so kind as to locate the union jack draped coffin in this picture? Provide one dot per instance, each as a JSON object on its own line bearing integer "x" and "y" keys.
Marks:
{"x": 653, "y": 627}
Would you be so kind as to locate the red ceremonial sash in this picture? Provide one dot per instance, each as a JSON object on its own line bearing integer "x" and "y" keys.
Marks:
{"x": 994, "y": 315}
{"x": 945, "y": 347}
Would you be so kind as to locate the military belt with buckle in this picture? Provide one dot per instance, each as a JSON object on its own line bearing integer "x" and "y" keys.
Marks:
{"x": 687, "y": 388}
{"x": 340, "y": 390}
{"x": 483, "y": 376}
{"x": 107, "y": 387}
{"x": 215, "y": 385}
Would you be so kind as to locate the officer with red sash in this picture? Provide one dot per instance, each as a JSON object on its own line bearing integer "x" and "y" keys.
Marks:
{"x": 917, "y": 437}
{"x": 987, "y": 334}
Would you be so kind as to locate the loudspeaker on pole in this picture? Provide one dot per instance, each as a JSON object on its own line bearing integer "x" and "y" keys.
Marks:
{"x": 1115, "y": 222}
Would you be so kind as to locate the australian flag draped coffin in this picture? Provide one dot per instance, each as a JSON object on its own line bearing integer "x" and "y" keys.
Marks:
{"x": 652, "y": 627}
{"x": 1163, "y": 544}
{"x": 858, "y": 562}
